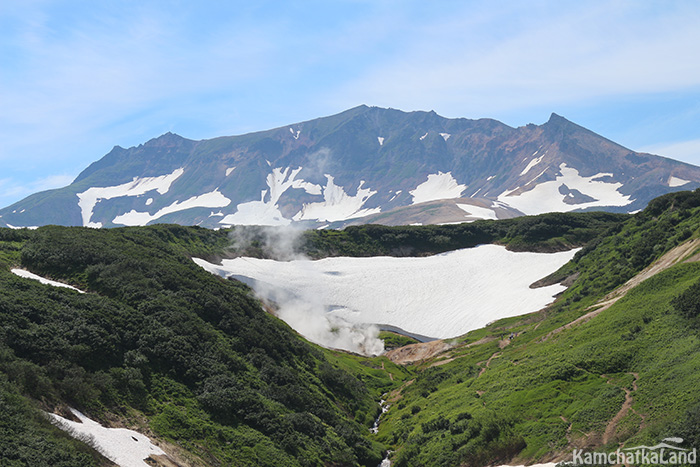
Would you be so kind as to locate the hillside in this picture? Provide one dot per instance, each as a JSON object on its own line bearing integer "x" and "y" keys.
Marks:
{"x": 588, "y": 372}
{"x": 364, "y": 165}
{"x": 159, "y": 345}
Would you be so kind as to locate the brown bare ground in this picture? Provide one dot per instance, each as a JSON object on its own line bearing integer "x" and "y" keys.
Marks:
{"x": 413, "y": 353}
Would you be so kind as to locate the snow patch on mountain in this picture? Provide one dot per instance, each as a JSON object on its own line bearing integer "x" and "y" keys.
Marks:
{"x": 532, "y": 163}
{"x": 337, "y": 205}
{"x": 675, "y": 181}
{"x": 126, "y": 448}
{"x": 381, "y": 140}
{"x": 267, "y": 212}
{"x": 445, "y": 136}
{"x": 478, "y": 211}
{"x": 440, "y": 296}
{"x": 424, "y": 136}
{"x": 30, "y": 275}
{"x": 438, "y": 186}
{"x": 546, "y": 196}
{"x": 230, "y": 170}
{"x": 138, "y": 186}
{"x": 213, "y": 199}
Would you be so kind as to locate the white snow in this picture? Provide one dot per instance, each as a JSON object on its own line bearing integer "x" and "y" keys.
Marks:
{"x": 381, "y": 140}
{"x": 445, "y": 136}
{"x": 30, "y": 275}
{"x": 295, "y": 135}
{"x": 424, "y": 136}
{"x": 490, "y": 178}
{"x": 478, "y": 211}
{"x": 440, "y": 296}
{"x": 126, "y": 448}
{"x": 546, "y": 197}
{"x": 149, "y": 201}
{"x": 267, "y": 212}
{"x": 338, "y": 205}
{"x": 229, "y": 170}
{"x": 213, "y": 199}
{"x": 138, "y": 186}
{"x": 675, "y": 181}
{"x": 438, "y": 186}
{"x": 532, "y": 163}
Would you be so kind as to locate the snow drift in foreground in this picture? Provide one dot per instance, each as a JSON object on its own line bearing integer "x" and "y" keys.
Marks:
{"x": 440, "y": 296}
{"x": 126, "y": 448}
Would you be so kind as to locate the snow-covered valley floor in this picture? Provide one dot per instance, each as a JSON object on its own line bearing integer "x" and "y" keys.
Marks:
{"x": 440, "y": 296}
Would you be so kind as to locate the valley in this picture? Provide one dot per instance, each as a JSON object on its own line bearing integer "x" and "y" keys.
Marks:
{"x": 195, "y": 362}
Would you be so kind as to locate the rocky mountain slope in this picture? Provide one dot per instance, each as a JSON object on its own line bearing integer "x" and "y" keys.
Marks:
{"x": 365, "y": 165}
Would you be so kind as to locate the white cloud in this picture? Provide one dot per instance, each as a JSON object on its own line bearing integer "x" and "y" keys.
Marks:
{"x": 546, "y": 58}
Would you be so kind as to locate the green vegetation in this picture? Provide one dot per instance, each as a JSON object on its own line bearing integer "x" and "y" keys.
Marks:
{"x": 545, "y": 233}
{"x": 393, "y": 340}
{"x": 194, "y": 353}
{"x": 159, "y": 341}
{"x": 551, "y": 389}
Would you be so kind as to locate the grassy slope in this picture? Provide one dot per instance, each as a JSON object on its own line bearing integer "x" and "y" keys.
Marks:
{"x": 540, "y": 397}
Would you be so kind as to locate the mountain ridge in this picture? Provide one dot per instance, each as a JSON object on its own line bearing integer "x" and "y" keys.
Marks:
{"x": 359, "y": 165}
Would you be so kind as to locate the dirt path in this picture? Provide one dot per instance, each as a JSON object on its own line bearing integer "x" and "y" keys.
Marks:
{"x": 488, "y": 363}
{"x": 674, "y": 256}
{"x": 611, "y": 428}
{"x": 391, "y": 376}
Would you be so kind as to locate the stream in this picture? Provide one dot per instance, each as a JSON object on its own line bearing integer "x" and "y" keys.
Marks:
{"x": 375, "y": 429}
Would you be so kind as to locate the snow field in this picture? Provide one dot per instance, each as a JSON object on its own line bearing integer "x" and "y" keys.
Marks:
{"x": 438, "y": 186}
{"x": 675, "y": 181}
{"x": 338, "y": 205}
{"x": 439, "y": 296}
{"x": 546, "y": 197}
{"x": 126, "y": 448}
{"x": 138, "y": 186}
{"x": 478, "y": 211}
{"x": 208, "y": 200}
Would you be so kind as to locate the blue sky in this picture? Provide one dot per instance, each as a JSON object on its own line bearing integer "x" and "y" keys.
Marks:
{"x": 77, "y": 78}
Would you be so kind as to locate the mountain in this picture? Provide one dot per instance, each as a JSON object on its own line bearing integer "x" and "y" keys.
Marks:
{"x": 365, "y": 165}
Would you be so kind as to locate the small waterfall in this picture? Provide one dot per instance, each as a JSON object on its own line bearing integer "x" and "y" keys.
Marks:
{"x": 385, "y": 406}
{"x": 375, "y": 429}
{"x": 386, "y": 462}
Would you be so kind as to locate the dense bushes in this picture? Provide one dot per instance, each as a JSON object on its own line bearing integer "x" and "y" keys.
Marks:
{"x": 688, "y": 302}
{"x": 153, "y": 319}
